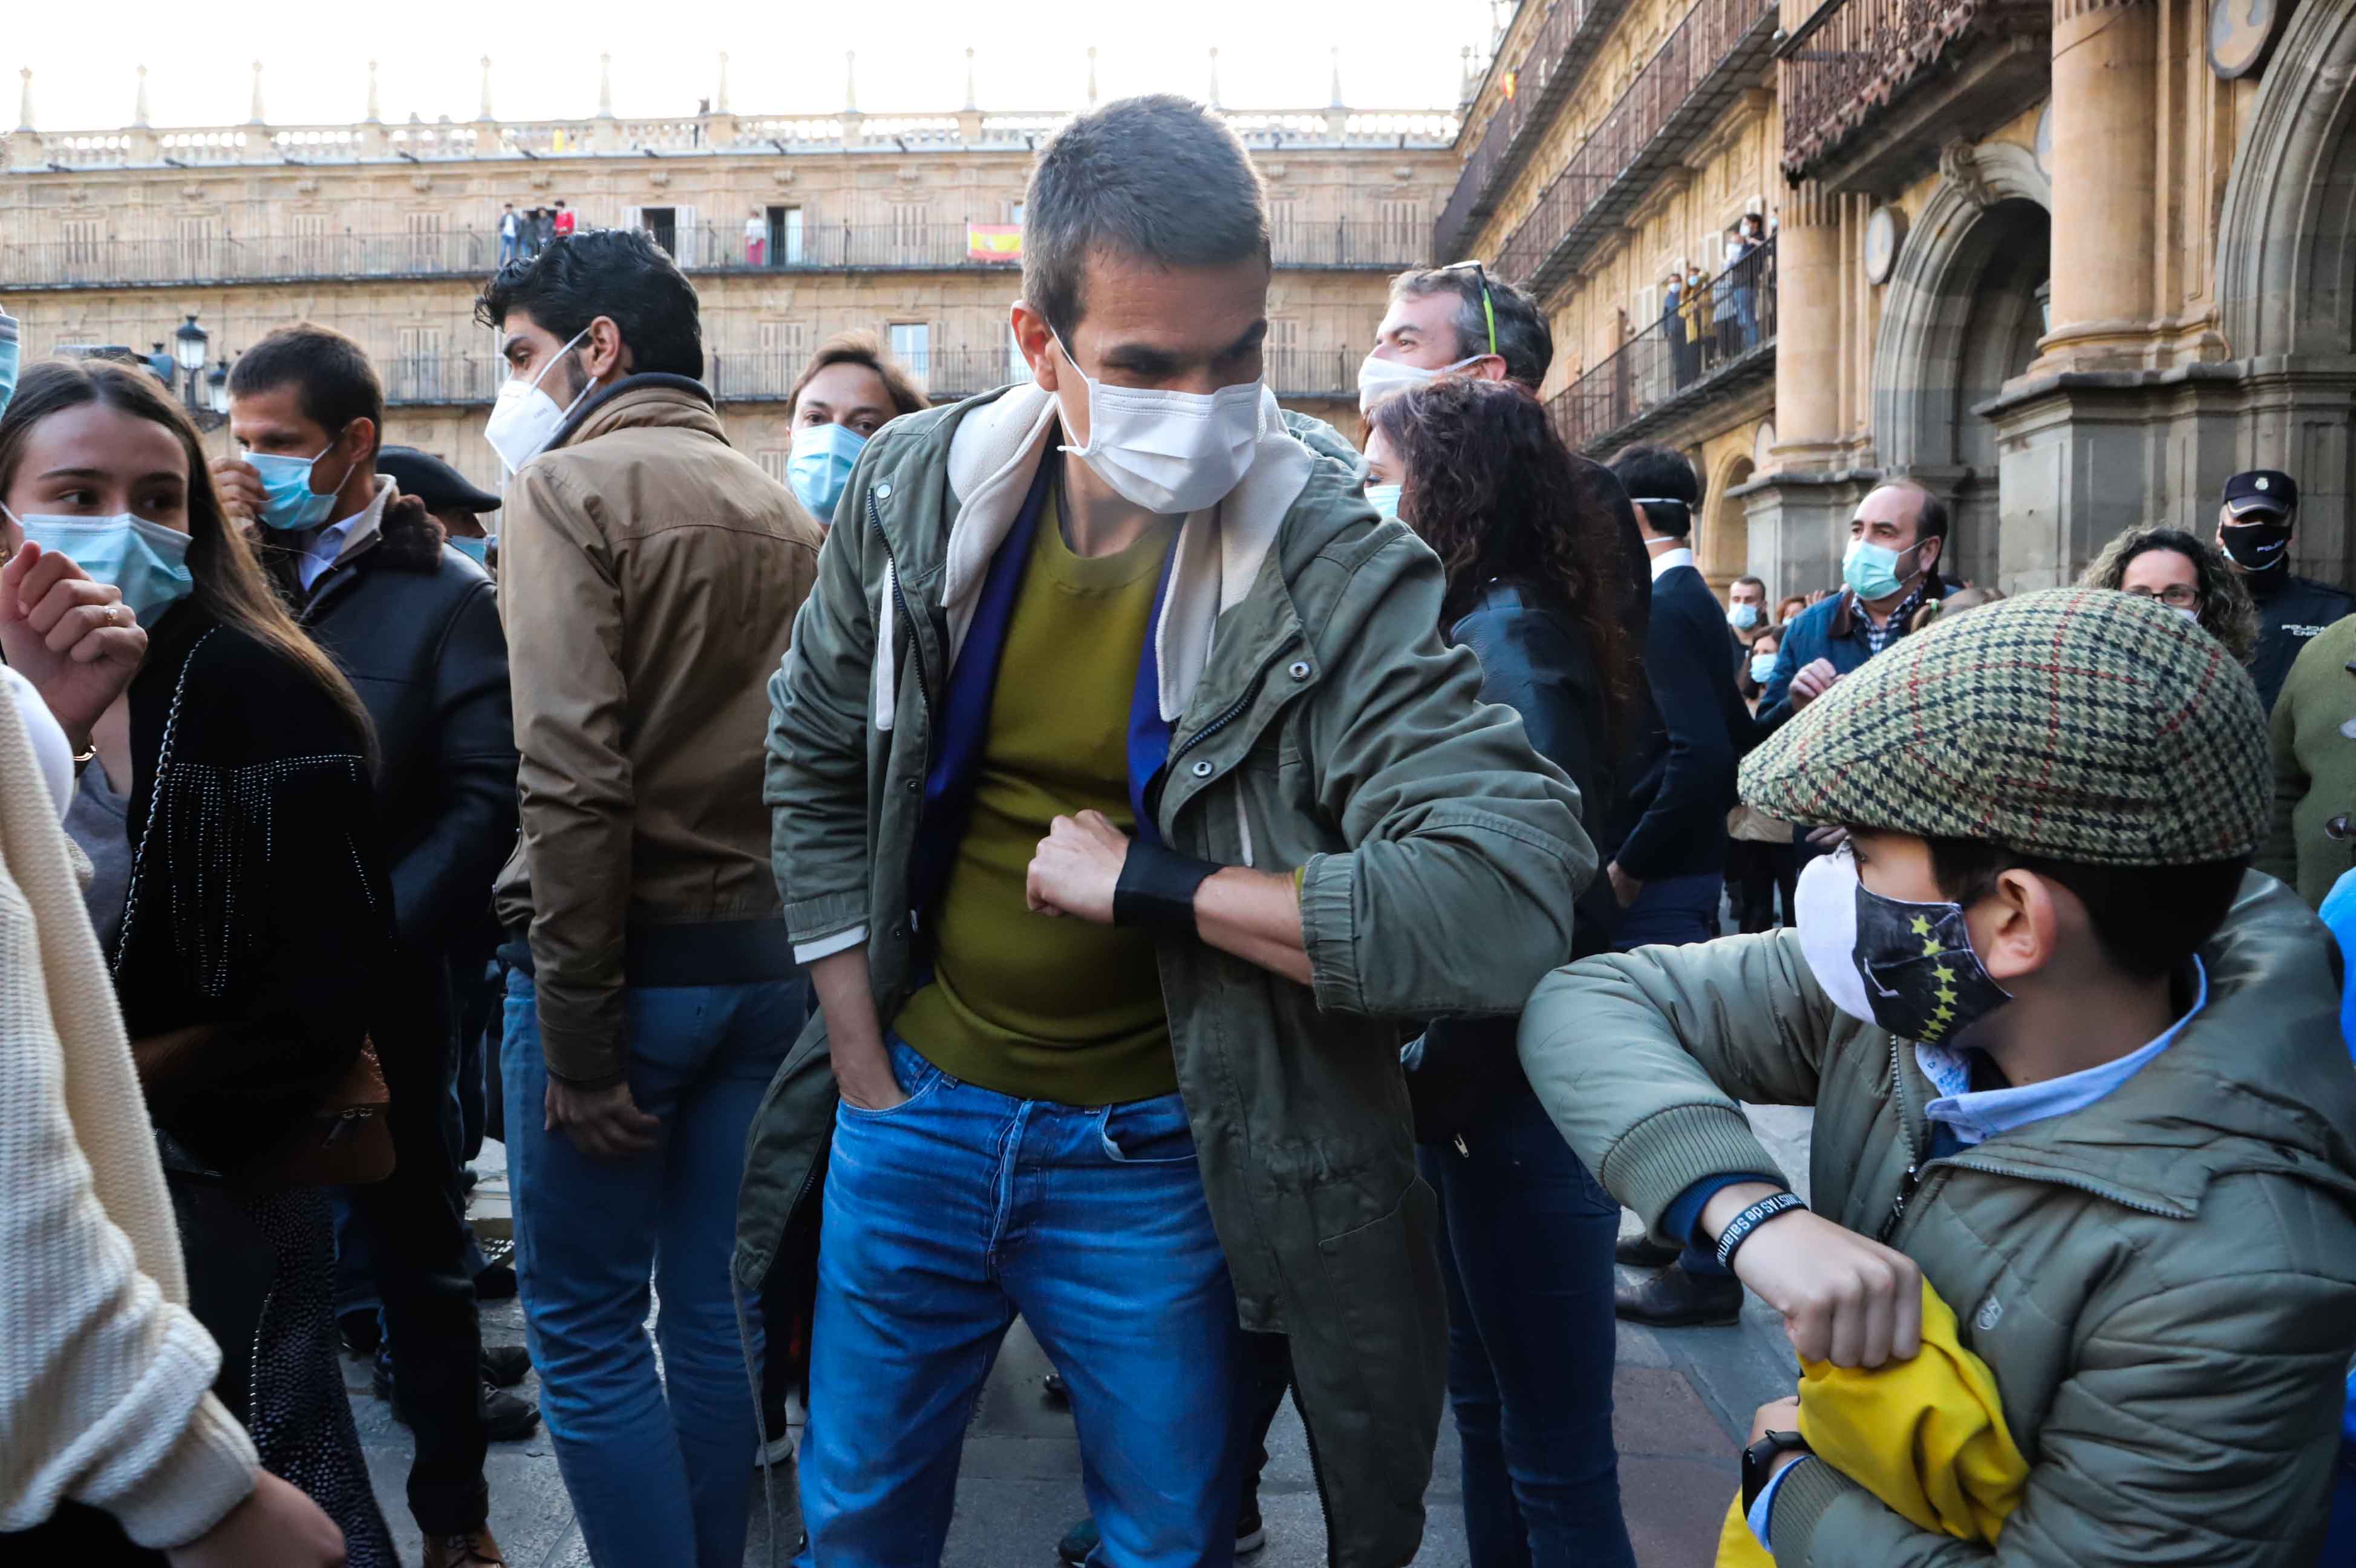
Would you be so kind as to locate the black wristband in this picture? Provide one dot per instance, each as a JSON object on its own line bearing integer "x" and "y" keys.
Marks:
{"x": 1156, "y": 890}
{"x": 1737, "y": 1229}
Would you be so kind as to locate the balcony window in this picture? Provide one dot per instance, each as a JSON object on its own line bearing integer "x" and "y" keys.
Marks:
{"x": 912, "y": 345}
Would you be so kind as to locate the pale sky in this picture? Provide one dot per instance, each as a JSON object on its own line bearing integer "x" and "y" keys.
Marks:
{"x": 785, "y": 55}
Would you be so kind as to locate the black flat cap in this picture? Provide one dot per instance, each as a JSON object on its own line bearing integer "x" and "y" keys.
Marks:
{"x": 2261, "y": 492}
{"x": 441, "y": 487}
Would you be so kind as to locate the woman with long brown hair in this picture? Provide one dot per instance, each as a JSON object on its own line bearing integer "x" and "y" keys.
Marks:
{"x": 256, "y": 908}
{"x": 1528, "y": 536}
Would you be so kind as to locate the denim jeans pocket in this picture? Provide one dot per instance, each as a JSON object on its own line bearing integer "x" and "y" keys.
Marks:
{"x": 916, "y": 1077}
{"x": 1147, "y": 1131}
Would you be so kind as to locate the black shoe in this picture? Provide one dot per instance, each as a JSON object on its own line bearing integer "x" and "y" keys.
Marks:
{"x": 1675, "y": 1299}
{"x": 360, "y": 1331}
{"x": 1641, "y": 1252}
{"x": 1250, "y": 1533}
{"x": 507, "y": 1417}
{"x": 496, "y": 1283}
{"x": 504, "y": 1366}
{"x": 1056, "y": 1389}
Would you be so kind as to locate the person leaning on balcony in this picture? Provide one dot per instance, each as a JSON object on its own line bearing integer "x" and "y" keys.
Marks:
{"x": 1695, "y": 311}
{"x": 1459, "y": 318}
{"x": 1749, "y": 235}
{"x": 1673, "y": 324}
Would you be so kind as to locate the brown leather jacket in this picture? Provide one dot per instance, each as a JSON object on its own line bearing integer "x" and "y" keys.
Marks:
{"x": 649, "y": 575}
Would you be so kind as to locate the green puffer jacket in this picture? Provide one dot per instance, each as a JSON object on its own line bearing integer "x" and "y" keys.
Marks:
{"x": 2163, "y": 1281}
{"x": 1324, "y": 727}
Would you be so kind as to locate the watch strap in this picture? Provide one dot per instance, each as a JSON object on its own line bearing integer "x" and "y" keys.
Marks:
{"x": 1759, "y": 1456}
{"x": 1156, "y": 890}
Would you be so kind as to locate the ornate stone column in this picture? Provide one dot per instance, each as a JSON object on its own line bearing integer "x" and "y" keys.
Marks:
{"x": 2106, "y": 193}
{"x": 1797, "y": 509}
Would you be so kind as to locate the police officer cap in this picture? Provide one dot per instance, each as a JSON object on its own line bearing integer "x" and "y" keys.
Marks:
{"x": 2261, "y": 492}
{"x": 441, "y": 487}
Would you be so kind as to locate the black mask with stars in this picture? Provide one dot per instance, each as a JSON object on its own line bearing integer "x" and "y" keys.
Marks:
{"x": 1921, "y": 978}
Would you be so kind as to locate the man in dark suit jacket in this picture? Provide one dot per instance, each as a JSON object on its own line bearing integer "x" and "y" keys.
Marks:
{"x": 1667, "y": 871}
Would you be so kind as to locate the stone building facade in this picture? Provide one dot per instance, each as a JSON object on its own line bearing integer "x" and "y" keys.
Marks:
{"x": 793, "y": 229}
{"x": 1612, "y": 144}
{"x": 2069, "y": 263}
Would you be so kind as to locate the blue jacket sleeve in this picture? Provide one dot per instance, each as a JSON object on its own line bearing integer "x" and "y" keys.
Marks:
{"x": 1698, "y": 775}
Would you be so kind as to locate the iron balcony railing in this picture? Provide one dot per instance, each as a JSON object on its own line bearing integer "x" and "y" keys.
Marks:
{"x": 1679, "y": 93}
{"x": 750, "y": 376}
{"x": 1853, "y": 60}
{"x": 1559, "y": 50}
{"x": 1723, "y": 335}
{"x": 928, "y": 246}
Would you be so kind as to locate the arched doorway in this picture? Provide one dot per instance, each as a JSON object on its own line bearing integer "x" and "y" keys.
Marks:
{"x": 1965, "y": 310}
{"x": 1722, "y": 546}
{"x": 2287, "y": 278}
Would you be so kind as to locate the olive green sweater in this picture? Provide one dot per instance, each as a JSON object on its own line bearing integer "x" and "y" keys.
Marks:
{"x": 1032, "y": 1006}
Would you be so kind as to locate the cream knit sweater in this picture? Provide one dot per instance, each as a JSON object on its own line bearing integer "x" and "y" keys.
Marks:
{"x": 104, "y": 1376}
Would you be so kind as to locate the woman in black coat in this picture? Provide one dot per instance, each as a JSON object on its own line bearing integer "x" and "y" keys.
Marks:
{"x": 1528, "y": 536}
{"x": 257, "y": 912}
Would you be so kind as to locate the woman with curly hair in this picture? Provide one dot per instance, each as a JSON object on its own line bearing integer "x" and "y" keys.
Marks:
{"x": 2186, "y": 574}
{"x": 1528, "y": 536}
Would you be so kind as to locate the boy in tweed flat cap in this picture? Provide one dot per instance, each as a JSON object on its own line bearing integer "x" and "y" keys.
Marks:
{"x": 2073, "y": 1066}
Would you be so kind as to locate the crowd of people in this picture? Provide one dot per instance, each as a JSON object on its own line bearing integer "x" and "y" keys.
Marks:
{"x": 524, "y": 235}
{"x": 993, "y": 873}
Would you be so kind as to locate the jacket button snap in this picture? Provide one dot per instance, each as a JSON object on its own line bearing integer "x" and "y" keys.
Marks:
{"x": 1203, "y": 769}
{"x": 1300, "y": 670}
{"x": 899, "y": 930}
{"x": 883, "y": 491}
{"x": 2341, "y": 827}
{"x": 915, "y": 785}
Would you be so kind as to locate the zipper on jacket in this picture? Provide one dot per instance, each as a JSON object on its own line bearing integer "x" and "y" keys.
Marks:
{"x": 1914, "y": 1177}
{"x": 916, "y": 643}
{"x": 1219, "y": 721}
{"x": 1317, "y": 1475}
{"x": 1233, "y": 710}
{"x": 1917, "y": 1169}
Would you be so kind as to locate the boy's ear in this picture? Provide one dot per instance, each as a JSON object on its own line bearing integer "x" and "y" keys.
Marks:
{"x": 2017, "y": 927}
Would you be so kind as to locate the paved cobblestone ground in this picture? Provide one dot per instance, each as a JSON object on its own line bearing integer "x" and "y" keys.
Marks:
{"x": 1685, "y": 1398}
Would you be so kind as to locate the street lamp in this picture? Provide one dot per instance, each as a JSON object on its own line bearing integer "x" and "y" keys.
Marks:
{"x": 203, "y": 393}
{"x": 188, "y": 343}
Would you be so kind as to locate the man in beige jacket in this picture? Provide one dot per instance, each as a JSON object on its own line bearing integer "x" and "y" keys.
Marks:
{"x": 649, "y": 579}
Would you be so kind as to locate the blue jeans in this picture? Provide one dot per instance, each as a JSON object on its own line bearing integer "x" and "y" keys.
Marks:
{"x": 1525, "y": 1250}
{"x": 947, "y": 1215}
{"x": 1672, "y": 911}
{"x": 659, "y": 1467}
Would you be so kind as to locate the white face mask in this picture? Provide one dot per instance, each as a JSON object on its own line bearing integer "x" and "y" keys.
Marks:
{"x": 524, "y": 417}
{"x": 1169, "y": 452}
{"x": 1378, "y": 379}
{"x": 1824, "y": 907}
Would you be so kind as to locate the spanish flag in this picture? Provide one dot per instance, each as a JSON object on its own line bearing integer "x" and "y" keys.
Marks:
{"x": 994, "y": 241}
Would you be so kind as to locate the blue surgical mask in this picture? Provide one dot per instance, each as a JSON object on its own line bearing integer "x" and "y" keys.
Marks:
{"x": 147, "y": 561}
{"x": 1384, "y": 499}
{"x": 293, "y": 504}
{"x": 1870, "y": 571}
{"x": 475, "y": 550}
{"x": 1742, "y": 617}
{"x": 1763, "y": 665}
{"x": 820, "y": 465}
{"x": 9, "y": 359}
